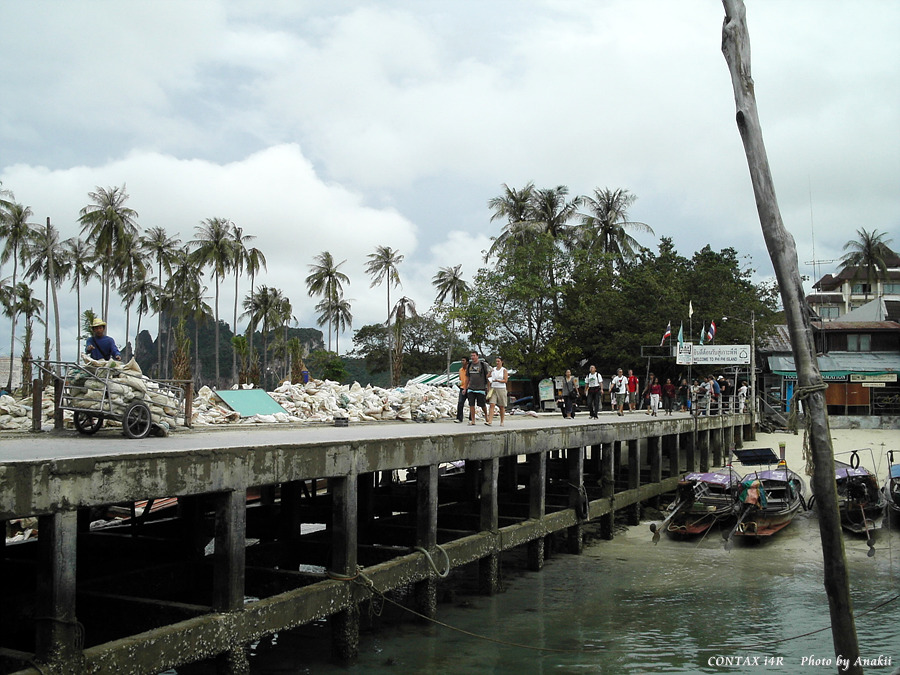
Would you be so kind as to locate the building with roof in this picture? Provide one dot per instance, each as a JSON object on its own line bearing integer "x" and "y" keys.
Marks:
{"x": 858, "y": 357}
{"x": 842, "y": 293}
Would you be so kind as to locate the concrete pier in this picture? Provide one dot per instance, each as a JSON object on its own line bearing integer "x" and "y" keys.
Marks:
{"x": 275, "y": 528}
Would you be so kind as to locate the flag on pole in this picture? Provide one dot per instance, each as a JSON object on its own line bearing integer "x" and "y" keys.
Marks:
{"x": 690, "y": 308}
{"x": 703, "y": 333}
{"x": 667, "y": 334}
{"x": 711, "y": 335}
{"x": 681, "y": 335}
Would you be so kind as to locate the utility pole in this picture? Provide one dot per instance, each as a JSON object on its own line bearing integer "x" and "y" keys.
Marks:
{"x": 811, "y": 390}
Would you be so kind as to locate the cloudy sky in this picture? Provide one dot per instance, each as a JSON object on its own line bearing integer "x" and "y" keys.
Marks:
{"x": 344, "y": 125}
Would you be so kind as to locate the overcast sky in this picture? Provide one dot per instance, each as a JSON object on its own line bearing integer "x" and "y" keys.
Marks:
{"x": 345, "y": 125}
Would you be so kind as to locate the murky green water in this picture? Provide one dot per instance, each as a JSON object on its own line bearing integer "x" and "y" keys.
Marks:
{"x": 627, "y": 606}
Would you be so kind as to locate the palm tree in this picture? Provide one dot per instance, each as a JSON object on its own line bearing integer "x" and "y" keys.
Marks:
{"x": 262, "y": 308}
{"x": 31, "y": 308}
{"x": 82, "y": 270}
{"x": 184, "y": 294}
{"x": 335, "y": 312}
{"x": 143, "y": 289}
{"x": 164, "y": 249}
{"x": 107, "y": 222}
{"x": 382, "y": 266}
{"x": 255, "y": 261}
{"x": 18, "y": 232}
{"x": 603, "y": 227}
{"x": 870, "y": 253}
{"x": 551, "y": 213}
{"x": 326, "y": 280}
{"x": 449, "y": 282}
{"x": 515, "y": 207}
{"x": 238, "y": 263}
{"x": 214, "y": 246}
{"x": 404, "y": 309}
{"x": 129, "y": 266}
{"x": 50, "y": 260}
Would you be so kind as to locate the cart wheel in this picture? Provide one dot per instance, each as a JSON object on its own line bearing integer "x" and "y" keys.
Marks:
{"x": 87, "y": 424}
{"x": 136, "y": 422}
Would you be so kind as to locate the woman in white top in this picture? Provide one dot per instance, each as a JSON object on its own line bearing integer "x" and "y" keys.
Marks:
{"x": 499, "y": 377}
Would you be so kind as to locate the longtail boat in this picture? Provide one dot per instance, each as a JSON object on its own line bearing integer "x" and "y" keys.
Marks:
{"x": 891, "y": 492}
{"x": 860, "y": 500}
{"x": 768, "y": 501}
{"x": 701, "y": 500}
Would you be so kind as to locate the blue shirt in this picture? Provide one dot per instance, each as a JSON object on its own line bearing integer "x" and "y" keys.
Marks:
{"x": 103, "y": 348}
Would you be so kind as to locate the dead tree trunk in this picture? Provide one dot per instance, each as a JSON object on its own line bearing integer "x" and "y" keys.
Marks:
{"x": 782, "y": 251}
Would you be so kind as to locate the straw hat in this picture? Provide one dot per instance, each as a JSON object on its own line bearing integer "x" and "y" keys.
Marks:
{"x": 97, "y": 322}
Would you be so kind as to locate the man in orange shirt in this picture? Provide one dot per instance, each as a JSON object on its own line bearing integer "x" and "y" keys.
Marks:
{"x": 463, "y": 389}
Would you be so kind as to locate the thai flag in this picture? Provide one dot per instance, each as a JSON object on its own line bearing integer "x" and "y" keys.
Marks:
{"x": 667, "y": 334}
{"x": 711, "y": 334}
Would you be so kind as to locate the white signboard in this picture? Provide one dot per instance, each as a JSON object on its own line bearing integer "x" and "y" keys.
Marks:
{"x": 874, "y": 384}
{"x": 734, "y": 355}
{"x": 862, "y": 377}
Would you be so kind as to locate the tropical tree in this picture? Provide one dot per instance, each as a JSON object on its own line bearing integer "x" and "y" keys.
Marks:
{"x": 49, "y": 260}
{"x": 382, "y": 266}
{"x": 295, "y": 351}
{"x": 449, "y": 283}
{"x": 326, "y": 280}
{"x": 404, "y": 309}
{"x": 868, "y": 253}
{"x": 18, "y": 233}
{"x": 31, "y": 308}
{"x": 255, "y": 261}
{"x": 164, "y": 250}
{"x": 238, "y": 263}
{"x": 334, "y": 311}
{"x": 214, "y": 247}
{"x": 142, "y": 289}
{"x": 605, "y": 225}
{"x": 81, "y": 270}
{"x": 262, "y": 309}
{"x": 513, "y": 206}
{"x": 129, "y": 268}
{"x": 107, "y": 222}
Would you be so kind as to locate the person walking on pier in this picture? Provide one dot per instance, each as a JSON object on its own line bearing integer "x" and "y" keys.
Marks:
{"x": 499, "y": 377}
{"x": 743, "y": 390}
{"x": 100, "y": 346}
{"x": 463, "y": 389}
{"x": 569, "y": 393}
{"x": 632, "y": 389}
{"x": 655, "y": 393}
{"x": 618, "y": 388}
{"x": 478, "y": 372}
{"x": 684, "y": 395}
{"x": 669, "y": 393}
{"x": 593, "y": 391}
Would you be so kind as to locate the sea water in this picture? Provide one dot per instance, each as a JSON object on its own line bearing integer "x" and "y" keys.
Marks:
{"x": 629, "y": 606}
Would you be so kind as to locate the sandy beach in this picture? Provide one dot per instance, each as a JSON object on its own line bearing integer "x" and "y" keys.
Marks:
{"x": 872, "y": 444}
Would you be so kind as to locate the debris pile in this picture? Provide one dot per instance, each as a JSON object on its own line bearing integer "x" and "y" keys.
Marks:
{"x": 324, "y": 401}
{"x": 317, "y": 401}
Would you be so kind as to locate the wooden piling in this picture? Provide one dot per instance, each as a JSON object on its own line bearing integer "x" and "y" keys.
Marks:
{"x": 489, "y": 566}
{"x": 426, "y": 535}
{"x": 345, "y": 623}
{"x": 537, "y": 504}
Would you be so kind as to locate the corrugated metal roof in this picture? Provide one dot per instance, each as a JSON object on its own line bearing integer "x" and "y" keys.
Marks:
{"x": 844, "y": 362}
{"x": 778, "y": 341}
{"x": 856, "y": 326}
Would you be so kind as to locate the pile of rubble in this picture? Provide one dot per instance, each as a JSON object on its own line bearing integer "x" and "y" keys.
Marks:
{"x": 325, "y": 401}
{"x": 314, "y": 402}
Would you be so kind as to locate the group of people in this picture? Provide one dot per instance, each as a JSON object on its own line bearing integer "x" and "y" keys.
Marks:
{"x": 479, "y": 384}
{"x": 708, "y": 397}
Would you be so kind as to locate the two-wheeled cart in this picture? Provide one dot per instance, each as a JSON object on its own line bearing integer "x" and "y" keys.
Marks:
{"x": 95, "y": 393}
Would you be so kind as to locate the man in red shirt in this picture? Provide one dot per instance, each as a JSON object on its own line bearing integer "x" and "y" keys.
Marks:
{"x": 632, "y": 389}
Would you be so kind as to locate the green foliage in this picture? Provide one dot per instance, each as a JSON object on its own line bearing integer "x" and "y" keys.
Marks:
{"x": 325, "y": 365}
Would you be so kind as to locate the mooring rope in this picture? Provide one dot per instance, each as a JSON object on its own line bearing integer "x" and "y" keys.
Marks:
{"x": 819, "y": 630}
{"x": 801, "y": 393}
{"x": 446, "y": 572}
{"x": 361, "y": 579}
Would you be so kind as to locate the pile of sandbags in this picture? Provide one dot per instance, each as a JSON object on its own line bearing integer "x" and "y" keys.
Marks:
{"x": 110, "y": 387}
{"x": 323, "y": 401}
{"x": 16, "y": 415}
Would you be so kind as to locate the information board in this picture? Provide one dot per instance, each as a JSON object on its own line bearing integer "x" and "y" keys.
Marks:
{"x": 734, "y": 355}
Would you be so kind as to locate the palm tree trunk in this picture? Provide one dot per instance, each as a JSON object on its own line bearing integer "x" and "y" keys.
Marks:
{"x": 782, "y": 251}
{"x": 78, "y": 318}
{"x": 12, "y": 339}
{"x": 159, "y": 315}
{"x": 234, "y": 330}
{"x": 46, "y": 376}
{"x": 390, "y": 336}
{"x": 129, "y": 353}
{"x": 55, "y": 314}
{"x": 217, "y": 330}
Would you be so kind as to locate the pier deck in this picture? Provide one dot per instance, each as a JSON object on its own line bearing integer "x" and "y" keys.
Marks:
{"x": 258, "y": 544}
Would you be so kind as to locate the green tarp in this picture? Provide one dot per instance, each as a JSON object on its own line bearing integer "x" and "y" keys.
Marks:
{"x": 250, "y": 402}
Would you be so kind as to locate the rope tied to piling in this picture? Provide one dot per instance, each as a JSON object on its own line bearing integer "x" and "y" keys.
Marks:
{"x": 446, "y": 572}
{"x": 801, "y": 393}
